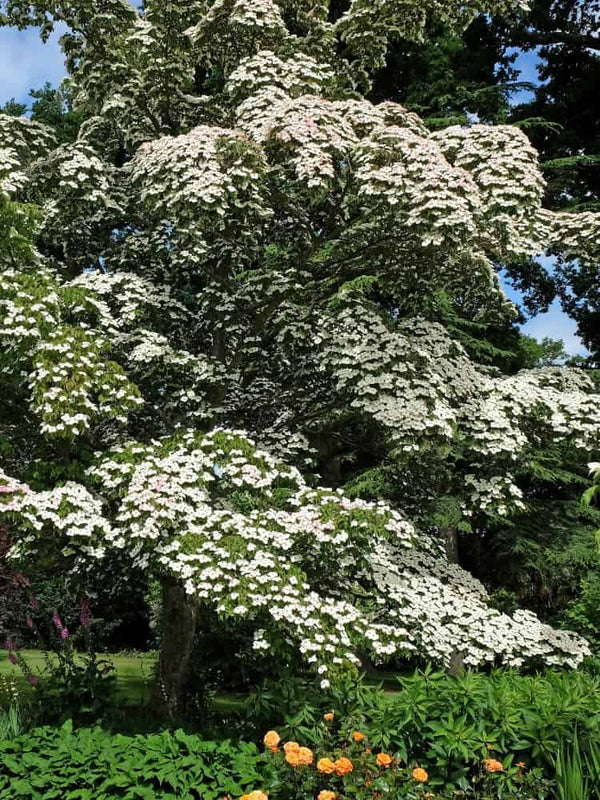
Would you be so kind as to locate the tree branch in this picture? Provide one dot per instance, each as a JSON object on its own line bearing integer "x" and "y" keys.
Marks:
{"x": 557, "y": 37}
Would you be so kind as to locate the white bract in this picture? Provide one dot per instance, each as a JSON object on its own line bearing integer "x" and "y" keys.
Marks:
{"x": 247, "y": 536}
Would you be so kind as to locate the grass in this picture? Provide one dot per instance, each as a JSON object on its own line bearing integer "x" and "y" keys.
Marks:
{"x": 134, "y": 672}
{"x": 135, "y": 675}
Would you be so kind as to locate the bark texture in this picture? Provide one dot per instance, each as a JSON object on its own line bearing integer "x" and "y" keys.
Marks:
{"x": 179, "y": 620}
{"x": 451, "y": 544}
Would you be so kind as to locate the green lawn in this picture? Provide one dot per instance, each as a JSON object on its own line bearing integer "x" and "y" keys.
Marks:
{"x": 134, "y": 672}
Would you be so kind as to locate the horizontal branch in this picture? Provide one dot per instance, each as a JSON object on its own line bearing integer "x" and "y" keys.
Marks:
{"x": 557, "y": 37}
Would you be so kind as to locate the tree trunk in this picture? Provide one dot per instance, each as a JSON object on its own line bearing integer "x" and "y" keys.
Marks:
{"x": 450, "y": 537}
{"x": 179, "y": 618}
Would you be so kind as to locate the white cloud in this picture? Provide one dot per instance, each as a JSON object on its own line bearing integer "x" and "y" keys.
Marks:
{"x": 27, "y": 63}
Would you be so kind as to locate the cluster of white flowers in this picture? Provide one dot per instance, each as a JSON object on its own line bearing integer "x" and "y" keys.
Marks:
{"x": 127, "y": 301}
{"x": 571, "y": 236}
{"x": 366, "y": 25}
{"x": 73, "y": 385}
{"x": 70, "y": 383}
{"x": 410, "y": 381}
{"x": 504, "y": 167}
{"x": 21, "y": 142}
{"x": 266, "y": 72}
{"x": 443, "y": 611}
{"x": 532, "y": 406}
{"x": 477, "y": 187}
{"x": 247, "y": 536}
{"x": 205, "y": 178}
{"x": 496, "y": 495}
{"x": 238, "y": 25}
{"x": 409, "y": 173}
{"x": 420, "y": 385}
{"x": 69, "y": 515}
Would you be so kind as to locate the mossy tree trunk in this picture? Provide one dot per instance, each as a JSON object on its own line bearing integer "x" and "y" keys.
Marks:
{"x": 179, "y": 620}
{"x": 450, "y": 536}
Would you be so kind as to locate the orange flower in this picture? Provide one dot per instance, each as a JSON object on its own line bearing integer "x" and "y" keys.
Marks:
{"x": 383, "y": 760}
{"x": 492, "y": 765}
{"x": 305, "y": 756}
{"x": 358, "y": 736}
{"x": 291, "y": 747}
{"x": 329, "y": 716}
{"x": 420, "y": 775}
{"x": 255, "y": 796}
{"x": 521, "y": 765}
{"x": 271, "y": 740}
{"x": 326, "y": 765}
{"x": 292, "y": 758}
{"x": 343, "y": 766}
{"x": 326, "y": 795}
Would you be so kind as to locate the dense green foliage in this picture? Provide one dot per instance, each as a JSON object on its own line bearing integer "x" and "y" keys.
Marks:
{"x": 549, "y": 722}
{"x": 90, "y": 764}
{"x": 445, "y": 722}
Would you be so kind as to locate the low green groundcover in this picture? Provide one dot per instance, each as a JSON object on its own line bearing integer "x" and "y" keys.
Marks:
{"x": 90, "y": 764}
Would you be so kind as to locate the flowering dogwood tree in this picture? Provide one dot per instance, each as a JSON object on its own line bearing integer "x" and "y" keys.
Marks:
{"x": 238, "y": 239}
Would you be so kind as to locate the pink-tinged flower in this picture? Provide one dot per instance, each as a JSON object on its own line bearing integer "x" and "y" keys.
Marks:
{"x": 32, "y": 679}
{"x": 34, "y": 603}
{"x": 57, "y": 622}
{"x": 29, "y": 623}
{"x": 10, "y": 645}
{"x": 64, "y": 634}
{"x": 12, "y": 658}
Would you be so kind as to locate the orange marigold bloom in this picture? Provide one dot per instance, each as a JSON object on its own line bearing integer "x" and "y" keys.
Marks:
{"x": 326, "y": 765}
{"x": 358, "y": 736}
{"x": 384, "y": 760}
{"x": 492, "y": 765}
{"x": 420, "y": 775}
{"x": 271, "y": 740}
{"x": 325, "y": 794}
{"x": 305, "y": 756}
{"x": 329, "y": 716}
{"x": 343, "y": 766}
{"x": 291, "y": 747}
{"x": 255, "y": 796}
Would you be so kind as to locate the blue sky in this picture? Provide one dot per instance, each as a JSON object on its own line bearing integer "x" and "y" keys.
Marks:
{"x": 526, "y": 62}
{"x": 26, "y": 63}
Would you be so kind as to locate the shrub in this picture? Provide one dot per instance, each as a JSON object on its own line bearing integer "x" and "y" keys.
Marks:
{"x": 345, "y": 766}
{"x": 90, "y": 764}
{"x": 73, "y": 685}
{"x": 448, "y": 724}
